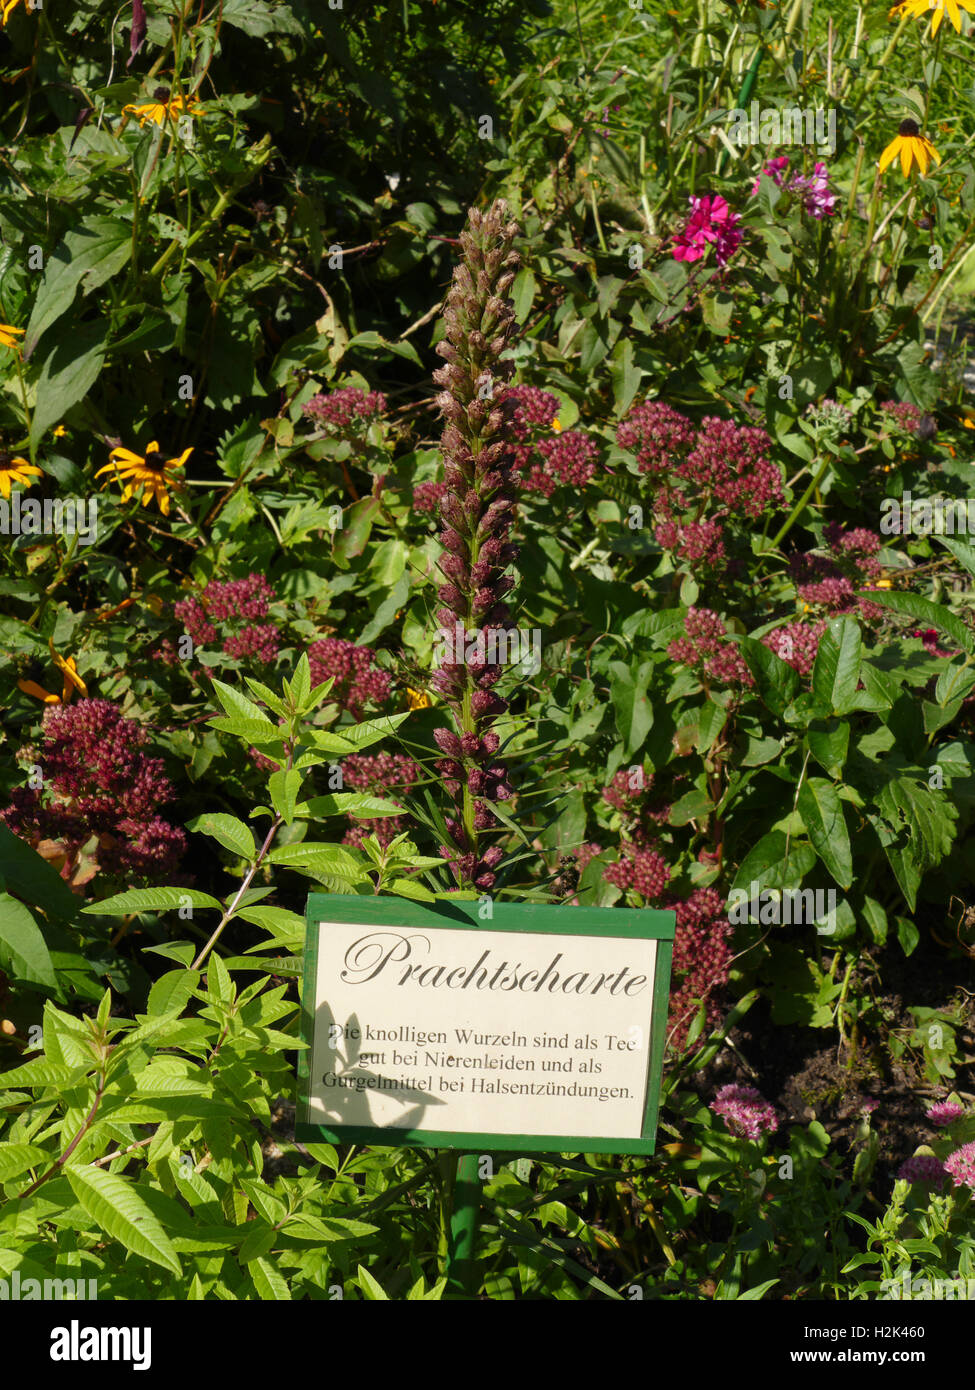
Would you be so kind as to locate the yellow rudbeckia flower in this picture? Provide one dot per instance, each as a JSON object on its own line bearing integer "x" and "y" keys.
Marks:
{"x": 8, "y": 7}
{"x": 151, "y": 476}
{"x": 15, "y": 470}
{"x": 7, "y": 338}
{"x": 940, "y": 8}
{"x": 164, "y": 106}
{"x": 912, "y": 146}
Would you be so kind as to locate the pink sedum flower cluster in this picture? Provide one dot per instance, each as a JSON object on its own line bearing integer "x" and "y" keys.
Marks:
{"x": 960, "y": 1166}
{"x": 745, "y": 1111}
{"x": 383, "y": 775}
{"x": 544, "y": 459}
{"x": 358, "y": 682}
{"x": 347, "y": 407}
{"x": 707, "y": 649}
{"x": 944, "y": 1113}
{"x": 99, "y": 782}
{"x": 225, "y": 614}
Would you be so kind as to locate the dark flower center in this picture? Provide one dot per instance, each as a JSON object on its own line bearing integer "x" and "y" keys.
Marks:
{"x": 5, "y": 458}
{"x": 161, "y": 94}
{"x": 909, "y": 127}
{"x": 154, "y": 461}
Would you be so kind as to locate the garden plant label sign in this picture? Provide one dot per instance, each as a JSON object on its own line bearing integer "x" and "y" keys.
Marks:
{"x": 541, "y": 1028}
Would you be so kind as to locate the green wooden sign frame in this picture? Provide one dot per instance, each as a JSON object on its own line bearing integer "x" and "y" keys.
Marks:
{"x": 648, "y": 924}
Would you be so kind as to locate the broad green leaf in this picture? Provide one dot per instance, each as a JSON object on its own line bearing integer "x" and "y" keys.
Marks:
{"x": 151, "y": 900}
{"x": 837, "y": 668}
{"x": 115, "y": 1204}
{"x": 409, "y": 888}
{"x": 228, "y": 831}
{"x": 933, "y": 614}
{"x": 88, "y": 256}
{"x": 172, "y": 991}
{"x": 283, "y": 788}
{"x": 775, "y": 679}
{"x": 67, "y": 374}
{"x": 822, "y": 814}
{"x": 237, "y": 706}
{"x": 27, "y": 875}
{"x": 371, "y": 1288}
{"x": 829, "y": 747}
{"x": 23, "y": 951}
{"x": 17, "y": 1158}
{"x": 350, "y": 804}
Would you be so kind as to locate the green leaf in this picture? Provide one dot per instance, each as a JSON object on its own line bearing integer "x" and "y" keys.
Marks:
{"x": 829, "y": 747}
{"x": 88, "y": 256}
{"x": 228, "y": 831}
{"x": 237, "y": 706}
{"x": 822, "y": 815}
{"x": 357, "y": 524}
{"x": 371, "y": 1288}
{"x": 409, "y": 888}
{"x": 267, "y": 1281}
{"x": 172, "y": 991}
{"x": 115, "y": 1204}
{"x": 23, "y": 951}
{"x": 250, "y": 730}
{"x": 29, "y": 876}
{"x": 151, "y": 900}
{"x": 67, "y": 374}
{"x": 351, "y": 804}
{"x": 775, "y": 680}
{"x": 837, "y": 668}
{"x": 324, "y": 858}
{"x": 770, "y": 866}
{"x": 631, "y": 702}
{"x": 17, "y": 1158}
{"x": 923, "y": 609}
{"x": 283, "y": 788}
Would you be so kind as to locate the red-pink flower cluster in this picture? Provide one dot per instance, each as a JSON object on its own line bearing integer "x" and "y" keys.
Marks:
{"x": 708, "y": 650}
{"x": 347, "y": 406}
{"x": 358, "y": 681}
{"x": 427, "y": 496}
{"x": 829, "y": 581}
{"x": 639, "y": 870}
{"x": 797, "y": 644}
{"x": 904, "y": 416}
{"x": 659, "y": 436}
{"x": 745, "y": 1111}
{"x": 99, "y": 782}
{"x": 543, "y": 459}
{"x": 708, "y": 475}
{"x": 815, "y": 190}
{"x": 960, "y": 1166}
{"x": 922, "y": 1168}
{"x": 224, "y": 614}
{"x": 701, "y": 962}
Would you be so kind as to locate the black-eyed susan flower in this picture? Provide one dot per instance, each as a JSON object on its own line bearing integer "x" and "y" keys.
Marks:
{"x": 8, "y": 7}
{"x": 163, "y": 107}
{"x": 912, "y": 146}
{"x": 15, "y": 470}
{"x": 7, "y": 336}
{"x": 417, "y": 699}
{"x": 149, "y": 476}
{"x": 938, "y": 10}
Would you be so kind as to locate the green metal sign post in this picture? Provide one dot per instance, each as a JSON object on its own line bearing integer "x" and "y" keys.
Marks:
{"x": 533, "y": 1029}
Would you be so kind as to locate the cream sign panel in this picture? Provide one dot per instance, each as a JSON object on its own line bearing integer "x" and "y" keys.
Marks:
{"x": 460, "y": 1031}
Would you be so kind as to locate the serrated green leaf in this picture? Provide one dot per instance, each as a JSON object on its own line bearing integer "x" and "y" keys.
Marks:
{"x": 116, "y": 1206}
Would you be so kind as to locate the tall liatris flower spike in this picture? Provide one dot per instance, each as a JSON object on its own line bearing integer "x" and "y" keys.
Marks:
{"x": 475, "y": 510}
